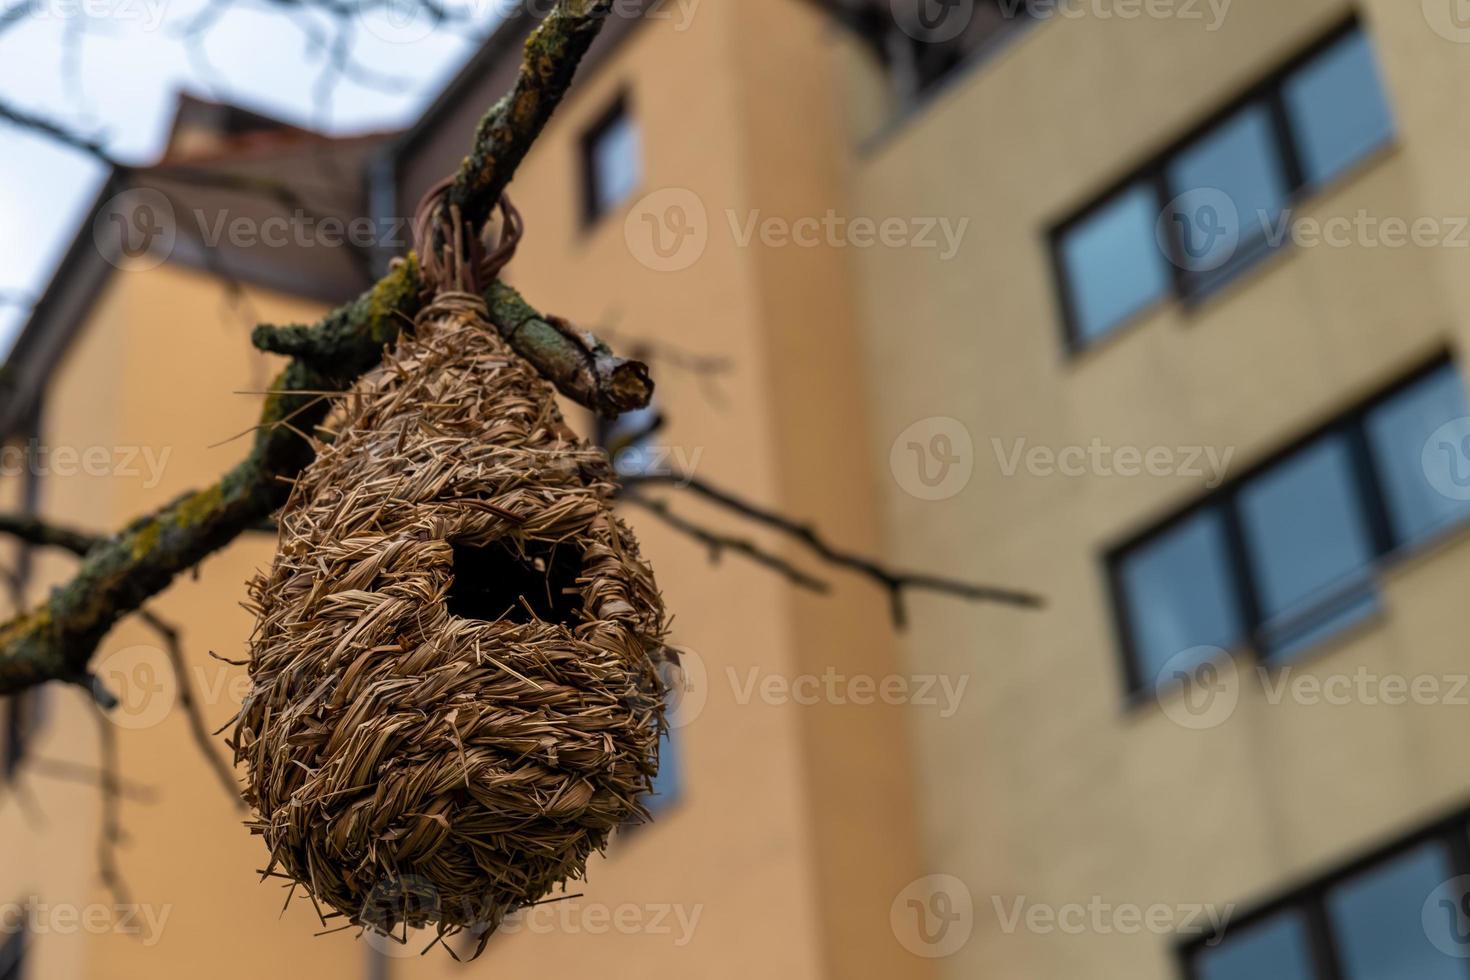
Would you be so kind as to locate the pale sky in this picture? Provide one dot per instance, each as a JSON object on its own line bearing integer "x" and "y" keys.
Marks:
{"x": 133, "y": 62}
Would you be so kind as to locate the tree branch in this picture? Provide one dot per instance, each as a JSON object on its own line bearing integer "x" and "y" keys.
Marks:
{"x": 55, "y": 641}
{"x": 896, "y": 583}
{"x": 33, "y": 530}
{"x": 582, "y": 367}
{"x": 718, "y": 544}
{"x": 506, "y": 132}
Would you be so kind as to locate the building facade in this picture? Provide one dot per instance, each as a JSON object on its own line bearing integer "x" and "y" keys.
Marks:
{"x": 1152, "y": 309}
{"x": 1202, "y": 347}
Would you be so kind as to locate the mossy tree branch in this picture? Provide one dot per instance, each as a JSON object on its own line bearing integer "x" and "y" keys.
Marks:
{"x": 56, "y": 640}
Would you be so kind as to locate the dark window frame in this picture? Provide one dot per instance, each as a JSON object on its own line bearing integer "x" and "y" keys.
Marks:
{"x": 1310, "y": 898}
{"x": 620, "y": 108}
{"x": 1368, "y": 488}
{"x": 13, "y": 951}
{"x": 15, "y": 730}
{"x": 1191, "y": 289}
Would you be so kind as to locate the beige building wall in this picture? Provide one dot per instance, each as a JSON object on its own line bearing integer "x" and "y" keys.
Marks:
{"x": 1046, "y": 787}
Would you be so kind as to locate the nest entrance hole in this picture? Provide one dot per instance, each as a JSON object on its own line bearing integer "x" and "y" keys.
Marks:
{"x": 499, "y": 580}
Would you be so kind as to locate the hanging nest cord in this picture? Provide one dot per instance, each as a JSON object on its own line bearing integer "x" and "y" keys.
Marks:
{"x": 456, "y": 669}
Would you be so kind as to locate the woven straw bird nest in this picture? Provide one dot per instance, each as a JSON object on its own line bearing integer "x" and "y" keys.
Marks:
{"x": 456, "y": 692}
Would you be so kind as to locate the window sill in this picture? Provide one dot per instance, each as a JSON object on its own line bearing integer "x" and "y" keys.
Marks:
{"x": 1200, "y": 301}
{"x": 588, "y": 229}
{"x": 1247, "y": 656}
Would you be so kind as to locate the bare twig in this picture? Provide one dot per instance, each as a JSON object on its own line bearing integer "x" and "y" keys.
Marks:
{"x": 32, "y": 530}
{"x": 56, "y": 132}
{"x": 894, "y": 582}
{"x": 192, "y": 712}
{"x": 110, "y": 833}
{"x": 718, "y": 544}
{"x": 65, "y": 770}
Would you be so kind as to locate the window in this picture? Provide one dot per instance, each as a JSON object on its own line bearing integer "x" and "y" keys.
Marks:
{"x": 1395, "y": 914}
{"x": 1287, "y": 556}
{"x": 1113, "y": 263}
{"x": 924, "y": 41}
{"x": 1338, "y": 109}
{"x": 1378, "y": 917}
{"x": 1309, "y": 544}
{"x": 628, "y": 440}
{"x": 1208, "y": 208}
{"x": 667, "y": 784}
{"x": 1179, "y": 592}
{"x": 13, "y": 954}
{"x": 612, "y": 162}
{"x": 1228, "y": 190}
{"x": 1278, "y": 947}
{"x": 1404, "y": 431}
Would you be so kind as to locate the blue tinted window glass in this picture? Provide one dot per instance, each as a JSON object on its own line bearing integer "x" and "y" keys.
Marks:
{"x": 1276, "y": 949}
{"x": 666, "y": 784}
{"x": 1113, "y": 264}
{"x": 1309, "y": 546}
{"x": 1380, "y": 918}
{"x": 632, "y": 439}
{"x": 1424, "y": 463}
{"x": 617, "y": 164}
{"x": 1338, "y": 107}
{"x": 1230, "y": 192}
{"x": 1179, "y": 593}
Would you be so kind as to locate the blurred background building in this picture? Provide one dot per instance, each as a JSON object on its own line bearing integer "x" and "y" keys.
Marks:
{"x": 1150, "y": 306}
